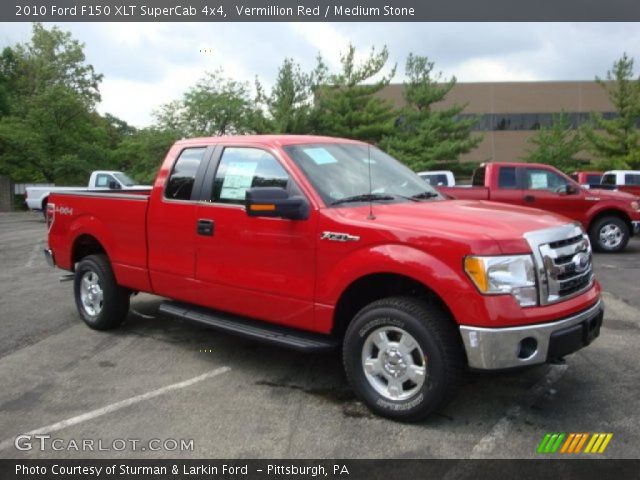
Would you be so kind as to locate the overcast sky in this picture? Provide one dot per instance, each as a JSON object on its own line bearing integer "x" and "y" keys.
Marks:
{"x": 147, "y": 64}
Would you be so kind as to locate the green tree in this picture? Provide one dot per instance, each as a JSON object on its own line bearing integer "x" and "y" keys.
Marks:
{"x": 290, "y": 102}
{"x": 424, "y": 137}
{"x": 141, "y": 153}
{"x": 214, "y": 106}
{"x": 51, "y": 129}
{"x": 346, "y": 104}
{"x": 615, "y": 142}
{"x": 558, "y": 145}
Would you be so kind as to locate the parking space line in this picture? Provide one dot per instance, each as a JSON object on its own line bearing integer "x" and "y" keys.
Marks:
{"x": 35, "y": 252}
{"x": 503, "y": 426}
{"x": 117, "y": 406}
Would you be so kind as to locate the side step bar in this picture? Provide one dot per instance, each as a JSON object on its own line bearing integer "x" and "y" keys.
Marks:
{"x": 263, "y": 332}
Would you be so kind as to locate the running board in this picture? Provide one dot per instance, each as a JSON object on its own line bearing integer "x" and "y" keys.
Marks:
{"x": 263, "y": 332}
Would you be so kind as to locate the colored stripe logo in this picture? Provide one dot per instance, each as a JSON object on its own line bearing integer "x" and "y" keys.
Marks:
{"x": 573, "y": 443}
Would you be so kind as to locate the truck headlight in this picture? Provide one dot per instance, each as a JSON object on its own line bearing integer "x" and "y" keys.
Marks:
{"x": 512, "y": 274}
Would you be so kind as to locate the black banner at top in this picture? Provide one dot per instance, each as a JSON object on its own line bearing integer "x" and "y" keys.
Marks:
{"x": 318, "y": 10}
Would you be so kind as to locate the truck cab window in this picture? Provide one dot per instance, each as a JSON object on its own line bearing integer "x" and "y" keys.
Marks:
{"x": 102, "y": 180}
{"x": 540, "y": 179}
{"x": 507, "y": 177}
{"x": 180, "y": 183}
{"x": 242, "y": 168}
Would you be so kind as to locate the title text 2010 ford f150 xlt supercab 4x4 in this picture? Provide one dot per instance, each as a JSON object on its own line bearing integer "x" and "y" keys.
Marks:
{"x": 315, "y": 242}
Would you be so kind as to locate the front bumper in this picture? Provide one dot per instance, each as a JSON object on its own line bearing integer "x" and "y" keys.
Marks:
{"x": 636, "y": 227}
{"x": 500, "y": 348}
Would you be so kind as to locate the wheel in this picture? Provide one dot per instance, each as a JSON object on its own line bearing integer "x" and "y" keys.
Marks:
{"x": 101, "y": 302}
{"x": 403, "y": 358}
{"x": 609, "y": 234}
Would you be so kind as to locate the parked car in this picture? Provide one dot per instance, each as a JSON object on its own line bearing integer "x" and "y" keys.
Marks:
{"x": 590, "y": 179}
{"x": 623, "y": 180}
{"x": 438, "y": 178}
{"x": 316, "y": 243}
{"x": 610, "y": 217}
{"x": 36, "y": 198}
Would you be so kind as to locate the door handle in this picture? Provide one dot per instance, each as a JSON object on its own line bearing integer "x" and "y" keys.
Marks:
{"x": 205, "y": 227}
{"x": 529, "y": 198}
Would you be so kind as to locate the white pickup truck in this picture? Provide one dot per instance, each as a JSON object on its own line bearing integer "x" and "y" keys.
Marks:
{"x": 36, "y": 197}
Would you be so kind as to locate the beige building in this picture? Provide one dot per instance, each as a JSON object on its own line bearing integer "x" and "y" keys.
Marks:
{"x": 510, "y": 112}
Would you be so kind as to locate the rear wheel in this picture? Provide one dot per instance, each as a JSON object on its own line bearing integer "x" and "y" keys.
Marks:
{"x": 403, "y": 358}
{"x": 609, "y": 234}
{"x": 101, "y": 302}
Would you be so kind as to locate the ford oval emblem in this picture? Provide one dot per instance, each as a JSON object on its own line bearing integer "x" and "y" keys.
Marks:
{"x": 580, "y": 261}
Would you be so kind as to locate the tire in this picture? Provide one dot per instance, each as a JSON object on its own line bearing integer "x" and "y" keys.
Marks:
{"x": 609, "y": 234}
{"x": 387, "y": 379}
{"x": 100, "y": 301}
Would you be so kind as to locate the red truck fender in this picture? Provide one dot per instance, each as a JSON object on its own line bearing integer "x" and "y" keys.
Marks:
{"x": 383, "y": 262}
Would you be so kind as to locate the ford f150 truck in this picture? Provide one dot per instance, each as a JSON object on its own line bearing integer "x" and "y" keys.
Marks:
{"x": 609, "y": 217}
{"x": 36, "y": 198}
{"x": 315, "y": 243}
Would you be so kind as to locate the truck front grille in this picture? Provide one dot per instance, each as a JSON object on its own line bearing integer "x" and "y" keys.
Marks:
{"x": 563, "y": 262}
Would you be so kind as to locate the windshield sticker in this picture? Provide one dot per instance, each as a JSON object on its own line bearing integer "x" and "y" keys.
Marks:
{"x": 320, "y": 156}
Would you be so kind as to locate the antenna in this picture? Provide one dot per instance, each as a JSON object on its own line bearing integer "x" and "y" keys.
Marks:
{"x": 371, "y": 215}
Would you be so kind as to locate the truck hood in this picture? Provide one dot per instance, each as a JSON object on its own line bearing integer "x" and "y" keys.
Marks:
{"x": 611, "y": 195}
{"x": 469, "y": 221}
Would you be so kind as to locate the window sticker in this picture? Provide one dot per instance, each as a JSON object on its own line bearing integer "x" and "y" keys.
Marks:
{"x": 320, "y": 155}
{"x": 538, "y": 181}
{"x": 237, "y": 180}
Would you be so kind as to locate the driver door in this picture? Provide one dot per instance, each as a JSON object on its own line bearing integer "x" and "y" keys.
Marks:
{"x": 545, "y": 189}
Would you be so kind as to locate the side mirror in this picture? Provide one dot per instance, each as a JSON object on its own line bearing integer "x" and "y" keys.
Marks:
{"x": 113, "y": 185}
{"x": 567, "y": 189}
{"x": 275, "y": 202}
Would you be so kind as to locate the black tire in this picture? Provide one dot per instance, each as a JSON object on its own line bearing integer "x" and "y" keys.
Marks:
{"x": 617, "y": 227}
{"x": 114, "y": 307}
{"x": 435, "y": 335}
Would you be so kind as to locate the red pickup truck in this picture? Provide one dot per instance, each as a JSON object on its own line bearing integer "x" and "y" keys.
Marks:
{"x": 610, "y": 217}
{"x": 315, "y": 243}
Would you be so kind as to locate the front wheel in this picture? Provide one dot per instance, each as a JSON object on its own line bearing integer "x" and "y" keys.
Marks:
{"x": 403, "y": 358}
{"x": 101, "y": 302}
{"x": 609, "y": 234}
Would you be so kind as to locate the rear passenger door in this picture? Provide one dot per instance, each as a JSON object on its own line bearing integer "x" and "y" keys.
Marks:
{"x": 171, "y": 224}
{"x": 254, "y": 266}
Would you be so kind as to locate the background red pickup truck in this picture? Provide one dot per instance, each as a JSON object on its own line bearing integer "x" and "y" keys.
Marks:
{"x": 314, "y": 243}
{"x": 610, "y": 217}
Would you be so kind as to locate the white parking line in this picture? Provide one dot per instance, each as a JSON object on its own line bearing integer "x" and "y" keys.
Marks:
{"x": 502, "y": 427}
{"x": 117, "y": 406}
{"x": 36, "y": 255}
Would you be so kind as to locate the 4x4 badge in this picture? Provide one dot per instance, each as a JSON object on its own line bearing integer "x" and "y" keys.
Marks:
{"x": 339, "y": 237}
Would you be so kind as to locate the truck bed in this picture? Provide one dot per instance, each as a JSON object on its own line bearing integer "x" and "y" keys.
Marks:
{"x": 119, "y": 219}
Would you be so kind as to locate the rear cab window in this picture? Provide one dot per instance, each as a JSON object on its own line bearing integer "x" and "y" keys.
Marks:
{"x": 632, "y": 179}
{"x": 507, "y": 177}
{"x": 183, "y": 175}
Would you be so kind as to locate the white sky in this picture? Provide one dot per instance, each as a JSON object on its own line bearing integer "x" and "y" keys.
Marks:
{"x": 147, "y": 64}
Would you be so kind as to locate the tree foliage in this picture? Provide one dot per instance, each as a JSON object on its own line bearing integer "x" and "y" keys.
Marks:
{"x": 347, "y": 105}
{"x": 424, "y": 137}
{"x": 616, "y": 142}
{"x": 558, "y": 145}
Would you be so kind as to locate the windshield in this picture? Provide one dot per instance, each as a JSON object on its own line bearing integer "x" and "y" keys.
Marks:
{"x": 340, "y": 174}
{"x": 124, "y": 179}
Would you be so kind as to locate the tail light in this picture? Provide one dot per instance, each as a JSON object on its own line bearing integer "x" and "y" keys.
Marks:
{"x": 51, "y": 212}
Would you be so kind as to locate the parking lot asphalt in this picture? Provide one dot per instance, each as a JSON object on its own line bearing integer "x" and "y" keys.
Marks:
{"x": 158, "y": 378}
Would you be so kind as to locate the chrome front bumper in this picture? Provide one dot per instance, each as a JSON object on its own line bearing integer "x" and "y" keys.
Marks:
{"x": 48, "y": 256}
{"x": 636, "y": 227}
{"x": 500, "y": 348}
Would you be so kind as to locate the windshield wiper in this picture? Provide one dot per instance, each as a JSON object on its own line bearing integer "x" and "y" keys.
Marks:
{"x": 365, "y": 197}
{"x": 424, "y": 195}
